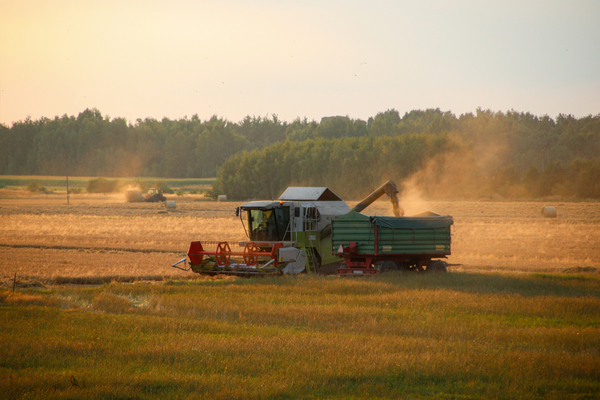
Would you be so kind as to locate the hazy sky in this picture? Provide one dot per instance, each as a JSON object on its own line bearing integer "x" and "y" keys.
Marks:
{"x": 143, "y": 58}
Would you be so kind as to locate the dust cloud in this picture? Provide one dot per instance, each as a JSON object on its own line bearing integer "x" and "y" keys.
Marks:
{"x": 125, "y": 188}
{"x": 458, "y": 174}
{"x": 412, "y": 199}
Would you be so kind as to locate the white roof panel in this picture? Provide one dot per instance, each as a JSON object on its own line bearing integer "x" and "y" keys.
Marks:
{"x": 297, "y": 193}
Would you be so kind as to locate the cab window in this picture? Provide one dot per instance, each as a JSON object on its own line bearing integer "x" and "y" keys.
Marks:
{"x": 269, "y": 225}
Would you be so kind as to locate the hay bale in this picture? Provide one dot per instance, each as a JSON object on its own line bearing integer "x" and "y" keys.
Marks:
{"x": 222, "y": 197}
{"x": 549, "y": 212}
{"x": 170, "y": 204}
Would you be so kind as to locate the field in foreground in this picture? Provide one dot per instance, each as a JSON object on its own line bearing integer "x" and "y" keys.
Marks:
{"x": 456, "y": 335}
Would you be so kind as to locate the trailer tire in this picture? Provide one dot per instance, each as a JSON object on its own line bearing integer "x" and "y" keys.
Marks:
{"x": 436, "y": 266}
{"x": 388, "y": 266}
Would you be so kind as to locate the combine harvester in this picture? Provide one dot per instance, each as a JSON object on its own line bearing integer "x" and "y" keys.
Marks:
{"x": 312, "y": 230}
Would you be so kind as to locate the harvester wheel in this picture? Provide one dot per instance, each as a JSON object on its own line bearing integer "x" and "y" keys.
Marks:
{"x": 223, "y": 253}
{"x": 436, "y": 266}
{"x": 388, "y": 266}
{"x": 249, "y": 257}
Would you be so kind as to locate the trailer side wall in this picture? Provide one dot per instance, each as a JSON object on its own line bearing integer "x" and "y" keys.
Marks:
{"x": 397, "y": 235}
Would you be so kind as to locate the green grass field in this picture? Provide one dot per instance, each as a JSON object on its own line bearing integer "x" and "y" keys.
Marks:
{"x": 455, "y": 335}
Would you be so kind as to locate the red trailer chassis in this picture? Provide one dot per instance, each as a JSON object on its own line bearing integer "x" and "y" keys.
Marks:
{"x": 368, "y": 264}
{"x": 356, "y": 263}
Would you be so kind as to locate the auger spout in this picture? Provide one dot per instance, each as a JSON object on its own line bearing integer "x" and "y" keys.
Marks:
{"x": 388, "y": 188}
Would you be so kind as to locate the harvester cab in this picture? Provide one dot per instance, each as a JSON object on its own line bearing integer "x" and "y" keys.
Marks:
{"x": 154, "y": 195}
{"x": 299, "y": 210}
{"x": 267, "y": 221}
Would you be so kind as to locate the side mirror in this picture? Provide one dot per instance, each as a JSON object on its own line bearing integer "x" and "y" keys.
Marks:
{"x": 237, "y": 211}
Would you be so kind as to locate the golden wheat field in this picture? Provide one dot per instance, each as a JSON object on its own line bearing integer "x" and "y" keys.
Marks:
{"x": 43, "y": 238}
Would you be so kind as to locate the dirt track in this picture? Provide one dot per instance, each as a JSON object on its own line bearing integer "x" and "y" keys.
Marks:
{"x": 42, "y": 237}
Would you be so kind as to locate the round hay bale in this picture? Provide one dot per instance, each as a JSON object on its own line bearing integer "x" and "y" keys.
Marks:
{"x": 170, "y": 204}
{"x": 222, "y": 197}
{"x": 549, "y": 212}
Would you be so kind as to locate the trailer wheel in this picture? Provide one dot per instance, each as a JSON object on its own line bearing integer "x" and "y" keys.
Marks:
{"x": 388, "y": 266}
{"x": 436, "y": 266}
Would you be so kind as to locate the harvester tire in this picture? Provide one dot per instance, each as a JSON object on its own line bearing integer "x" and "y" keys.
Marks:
{"x": 388, "y": 266}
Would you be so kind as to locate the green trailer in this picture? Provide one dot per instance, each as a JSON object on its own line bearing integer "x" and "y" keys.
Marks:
{"x": 370, "y": 245}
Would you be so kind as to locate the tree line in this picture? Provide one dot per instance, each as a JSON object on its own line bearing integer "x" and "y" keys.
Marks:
{"x": 476, "y": 155}
{"x": 95, "y": 145}
{"x": 486, "y": 153}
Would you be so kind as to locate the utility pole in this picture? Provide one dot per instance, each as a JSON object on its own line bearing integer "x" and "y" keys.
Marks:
{"x": 67, "y": 170}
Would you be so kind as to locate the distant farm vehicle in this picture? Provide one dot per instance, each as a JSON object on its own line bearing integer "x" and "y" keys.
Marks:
{"x": 153, "y": 196}
{"x": 312, "y": 230}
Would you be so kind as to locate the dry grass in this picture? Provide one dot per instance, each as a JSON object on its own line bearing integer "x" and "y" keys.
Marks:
{"x": 104, "y": 236}
{"x": 151, "y": 232}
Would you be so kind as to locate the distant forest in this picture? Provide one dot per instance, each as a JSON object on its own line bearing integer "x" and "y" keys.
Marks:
{"x": 482, "y": 154}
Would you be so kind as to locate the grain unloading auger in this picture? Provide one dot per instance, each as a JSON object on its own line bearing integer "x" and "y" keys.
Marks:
{"x": 287, "y": 236}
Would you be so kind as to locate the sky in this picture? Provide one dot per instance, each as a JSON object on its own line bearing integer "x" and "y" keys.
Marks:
{"x": 178, "y": 58}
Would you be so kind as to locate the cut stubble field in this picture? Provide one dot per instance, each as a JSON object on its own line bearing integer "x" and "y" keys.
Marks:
{"x": 518, "y": 316}
{"x": 42, "y": 237}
